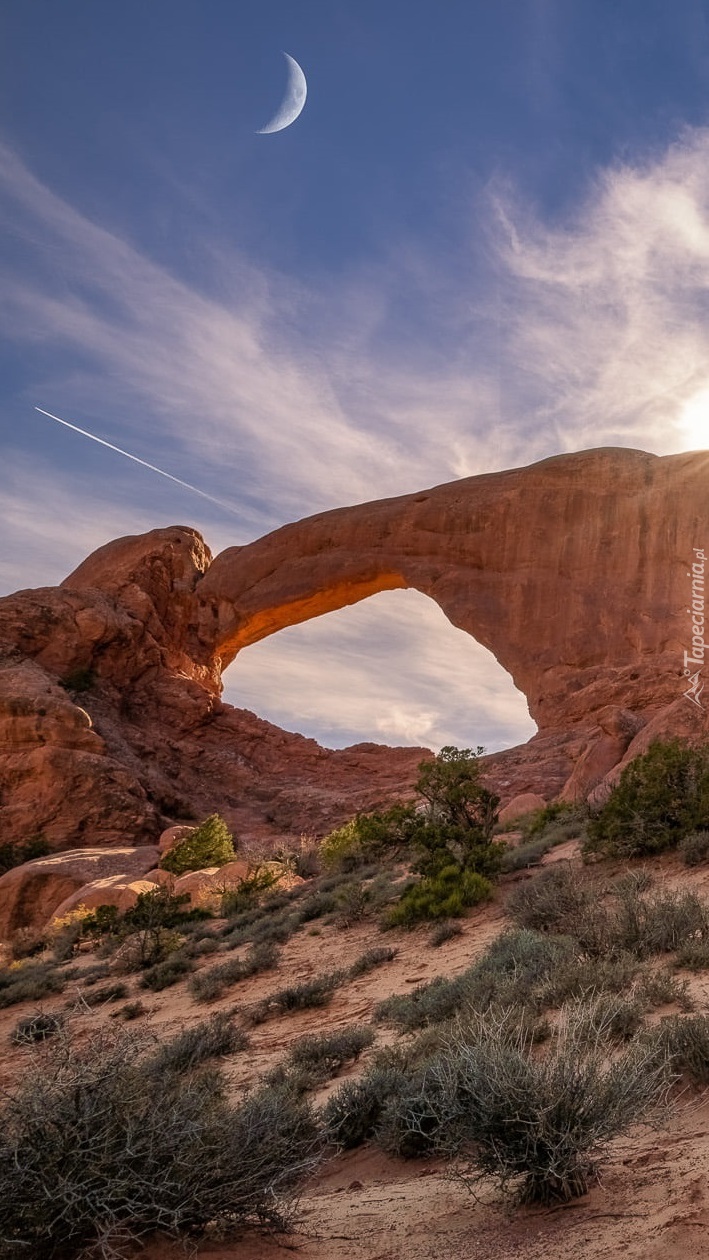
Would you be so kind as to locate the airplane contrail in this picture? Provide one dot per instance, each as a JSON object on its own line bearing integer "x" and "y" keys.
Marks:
{"x": 137, "y": 460}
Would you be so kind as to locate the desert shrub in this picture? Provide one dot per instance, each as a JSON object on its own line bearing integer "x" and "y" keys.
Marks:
{"x": 248, "y": 891}
{"x": 97, "y": 1151}
{"x": 323, "y": 1054}
{"x": 580, "y": 978}
{"x": 89, "y": 975}
{"x": 210, "y": 844}
{"x": 341, "y": 848}
{"x": 685, "y": 1039}
{"x": 443, "y": 932}
{"x": 539, "y": 1125}
{"x": 370, "y": 959}
{"x": 352, "y": 903}
{"x": 317, "y": 904}
{"x": 521, "y": 856}
{"x": 13, "y": 854}
{"x": 429, "y": 1003}
{"x": 694, "y": 848}
{"x": 694, "y": 955}
{"x": 513, "y": 972}
{"x": 211, "y": 984}
{"x": 29, "y": 983}
{"x": 445, "y": 895}
{"x": 541, "y": 820}
{"x": 351, "y": 1115}
{"x": 107, "y": 993}
{"x": 369, "y": 837}
{"x": 661, "y": 988}
{"x": 212, "y": 1039}
{"x": 658, "y": 923}
{"x": 608, "y": 1017}
{"x": 37, "y": 1027}
{"x": 300, "y": 997}
{"x": 275, "y": 931}
{"x": 411, "y": 1119}
{"x": 301, "y": 856}
{"x": 131, "y": 1010}
{"x": 162, "y": 975}
{"x": 553, "y": 901}
{"x": 150, "y": 926}
{"x": 203, "y": 947}
{"x": 660, "y": 797}
{"x": 103, "y": 921}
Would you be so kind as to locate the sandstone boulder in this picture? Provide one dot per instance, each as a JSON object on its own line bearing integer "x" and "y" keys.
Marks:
{"x": 520, "y": 805}
{"x": 113, "y": 890}
{"x": 31, "y": 893}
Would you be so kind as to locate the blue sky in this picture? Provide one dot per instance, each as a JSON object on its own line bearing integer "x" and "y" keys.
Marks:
{"x": 484, "y": 241}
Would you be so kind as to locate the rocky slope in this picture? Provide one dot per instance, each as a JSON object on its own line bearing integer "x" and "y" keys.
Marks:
{"x": 575, "y": 572}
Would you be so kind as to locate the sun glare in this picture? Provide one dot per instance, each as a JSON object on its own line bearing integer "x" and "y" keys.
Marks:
{"x": 694, "y": 422}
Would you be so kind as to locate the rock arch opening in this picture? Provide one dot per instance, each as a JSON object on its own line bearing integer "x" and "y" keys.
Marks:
{"x": 390, "y": 669}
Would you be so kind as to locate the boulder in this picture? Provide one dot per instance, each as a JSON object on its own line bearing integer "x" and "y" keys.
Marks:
{"x": 520, "y": 805}
{"x": 31, "y": 893}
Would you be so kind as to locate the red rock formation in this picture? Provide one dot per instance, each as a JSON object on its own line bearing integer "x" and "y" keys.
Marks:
{"x": 572, "y": 571}
{"x": 30, "y": 894}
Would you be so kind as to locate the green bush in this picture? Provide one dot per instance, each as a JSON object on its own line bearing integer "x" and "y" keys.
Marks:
{"x": 369, "y": 837}
{"x": 97, "y": 1151}
{"x": 247, "y": 892}
{"x": 445, "y": 895}
{"x": 210, "y": 844}
{"x": 660, "y": 797}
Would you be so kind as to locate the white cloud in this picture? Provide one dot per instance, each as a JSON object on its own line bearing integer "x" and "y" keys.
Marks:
{"x": 392, "y": 668}
{"x": 607, "y": 313}
{"x": 287, "y": 402}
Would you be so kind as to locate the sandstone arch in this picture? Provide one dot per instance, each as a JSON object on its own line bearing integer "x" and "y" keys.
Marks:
{"x": 571, "y": 571}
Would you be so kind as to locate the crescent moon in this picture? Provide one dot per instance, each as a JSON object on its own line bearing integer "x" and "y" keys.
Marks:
{"x": 293, "y": 101}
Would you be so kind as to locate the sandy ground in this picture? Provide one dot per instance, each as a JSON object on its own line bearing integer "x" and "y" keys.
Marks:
{"x": 652, "y": 1202}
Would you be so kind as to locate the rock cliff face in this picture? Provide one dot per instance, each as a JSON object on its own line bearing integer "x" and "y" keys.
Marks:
{"x": 576, "y": 572}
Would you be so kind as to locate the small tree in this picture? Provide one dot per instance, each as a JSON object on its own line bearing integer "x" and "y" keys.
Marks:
{"x": 210, "y": 844}
{"x": 451, "y": 785}
{"x": 660, "y": 797}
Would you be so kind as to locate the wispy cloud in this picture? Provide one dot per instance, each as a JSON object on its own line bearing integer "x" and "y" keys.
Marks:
{"x": 287, "y": 401}
{"x": 606, "y": 314}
